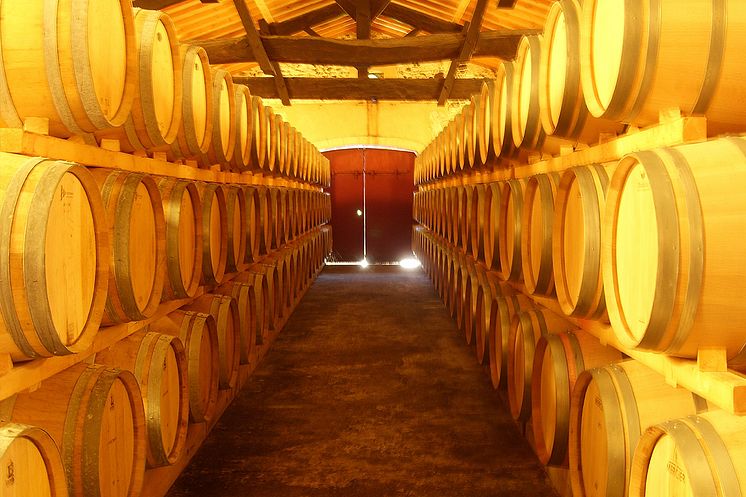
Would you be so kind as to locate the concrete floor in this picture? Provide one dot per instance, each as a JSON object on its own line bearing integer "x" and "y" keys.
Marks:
{"x": 368, "y": 391}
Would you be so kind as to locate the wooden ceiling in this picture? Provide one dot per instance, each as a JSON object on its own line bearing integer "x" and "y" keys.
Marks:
{"x": 369, "y": 28}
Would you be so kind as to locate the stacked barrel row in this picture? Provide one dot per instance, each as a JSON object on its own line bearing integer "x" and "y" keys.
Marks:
{"x": 95, "y": 427}
{"x": 615, "y": 424}
{"x": 598, "y": 67}
{"x": 129, "y": 81}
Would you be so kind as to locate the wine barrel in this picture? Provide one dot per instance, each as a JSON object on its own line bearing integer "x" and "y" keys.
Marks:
{"x": 214, "y": 233}
{"x": 696, "y": 455}
{"x": 502, "y": 101}
{"x": 465, "y": 215}
{"x": 558, "y": 360}
{"x": 135, "y": 213}
{"x": 253, "y": 224}
{"x": 687, "y": 270}
{"x": 60, "y": 65}
{"x": 265, "y": 219}
{"x": 183, "y": 218}
{"x": 52, "y": 297}
{"x": 536, "y": 233}
{"x": 33, "y": 462}
{"x": 157, "y": 109}
{"x": 195, "y": 132}
{"x": 482, "y": 125}
{"x": 632, "y": 58}
{"x": 257, "y": 279}
{"x": 223, "y": 142}
{"x": 488, "y": 290}
{"x": 472, "y": 277}
{"x": 576, "y": 241}
{"x": 562, "y": 108}
{"x": 199, "y": 335}
{"x": 492, "y": 202}
{"x": 503, "y": 310}
{"x": 160, "y": 366}
{"x": 476, "y": 221}
{"x": 258, "y": 133}
{"x": 526, "y": 329}
{"x": 470, "y": 138}
{"x": 526, "y": 126}
{"x": 95, "y": 416}
{"x": 610, "y": 408}
{"x": 272, "y": 133}
{"x": 224, "y": 310}
{"x": 243, "y": 294}
{"x": 235, "y": 209}
{"x": 282, "y": 142}
{"x": 509, "y": 233}
{"x": 241, "y": 160}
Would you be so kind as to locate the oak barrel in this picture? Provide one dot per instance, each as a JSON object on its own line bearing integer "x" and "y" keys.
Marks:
{"x": 160, "y": 366}
{"x": 674, "y": 268}
{"x": 195, "y": 132}
{"x": 256, "y": 278}
{"x": 526, "y": 329}
{"x": 253, "y": 224}
{"x": 32, "y": 462}
{"x": 198, "y": 332}
{"x": 95, "y": 416}
{"x": 243, "y": 294}
{"x": 55, "y": 251}
{"x": 509, "y": 232}
{"x": 135, "y": 214}
{"x": 696, "y": 455}
{"x": 576, "y": 240}
{"x": 244, "y": 131}
{"x": 224, "y": 310}
{"x": 157, "y": 110}
{"x": 632, "y": 56}
{"x": 214, "y": 233}
{"x": 183, "y": 217}
{"x": 558, "y": 360}
{"x": 223, "y": 142}
{"x": 258, "y": 133}
{"x": 59, "y": 63}
{"x": 503, "y": 309}
{"x": 491, "y": 236}
{"x": 536, "y": 233}
{"x": 561, "y": 105}
{"x": 235, "y": 209}
{"x": 502, "y": 100}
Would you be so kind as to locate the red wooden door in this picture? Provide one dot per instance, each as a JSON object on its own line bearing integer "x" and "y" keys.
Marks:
{"x": 378, "y": 183}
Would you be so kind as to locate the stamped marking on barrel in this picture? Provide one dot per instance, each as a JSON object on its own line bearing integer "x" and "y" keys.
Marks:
{"x": 676, "y": 471}
{"x": 10, "y": 477}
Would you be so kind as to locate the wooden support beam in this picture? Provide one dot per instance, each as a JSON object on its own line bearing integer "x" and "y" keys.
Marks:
{"x": 362, "y": 29}
{"x": 417, "y": 19}
{"x": 309, "y": 19}
{"x": 305, "y": 50}
{"x": 361, "y": 89}
{"x": 309, "y": 30}
{"x": 377, "y": 7}
{"x": 348, "y": 6}
{"x": 467, "y": 49}
{"x": 260, "y": 54}
{"x": 161, "y": 4}
{"x": 414, "y": 32}
{"x": 506, "y": 4}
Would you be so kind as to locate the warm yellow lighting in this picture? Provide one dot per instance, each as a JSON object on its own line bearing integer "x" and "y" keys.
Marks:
{"x": 359, "y": 212}
{"x": 364, "y": 263}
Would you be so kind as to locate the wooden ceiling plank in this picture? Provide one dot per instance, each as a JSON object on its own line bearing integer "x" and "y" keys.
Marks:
{"x": 361, "y": 89}
{"x": 307, "y": 50}
{"x": 300, "y": 23}
{"x": 264, "y": 10}
{"x": 420, "y": 20}
{"x": 467, "y": 49}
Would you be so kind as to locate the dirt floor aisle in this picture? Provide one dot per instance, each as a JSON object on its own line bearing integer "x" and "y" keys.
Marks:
{"x": 368, "y": 391}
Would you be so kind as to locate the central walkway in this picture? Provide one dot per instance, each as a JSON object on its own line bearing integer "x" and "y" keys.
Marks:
{"x": 368, "y": 391}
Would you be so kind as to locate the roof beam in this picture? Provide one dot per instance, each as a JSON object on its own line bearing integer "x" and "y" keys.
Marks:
{"x": 377, "y": 8}
{"x": 419, "y": 20}
{"x": 506, "y": 4}
{"x": 467, "y": 49}
{"x": 161, "y": 4}
{"x": 260, "y": 54}
{"x": 361, "y": 89}
{"x": 307, "y": 50}
{"x": 348, "y": 6}
{"x": 362, "y": 29}
{"x": 309, "y": 19}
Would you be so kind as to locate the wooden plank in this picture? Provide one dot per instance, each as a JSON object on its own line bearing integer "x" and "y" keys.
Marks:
{"x": 414, "y": 32}
{"x": 252, "y": 37}
{"x": 306, "y": 50}
{"x": 257, "y": 48}
{"x": 348, "y": 6}
{"x": 362, "y": 29}
{"x": 506, "y": 4}
{"x": 19, "y": 142}
{"x": 310, "y": 31}
{"x": 309, "y": 19}
{"x": 419, "y": 20}
{"x": 467, "y": 49}
{"x": 377, "y": 7}
{"x": 361, "y": 89}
